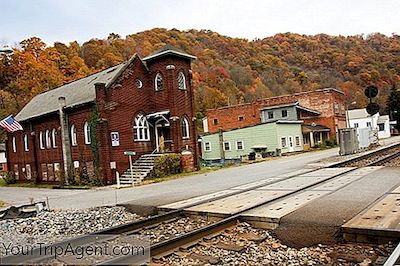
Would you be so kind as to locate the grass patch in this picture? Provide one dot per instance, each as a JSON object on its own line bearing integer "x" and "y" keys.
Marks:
{"x": 31, "y": 185}
{"x": 203, "y": 170}
{"x": 47, "y": 186}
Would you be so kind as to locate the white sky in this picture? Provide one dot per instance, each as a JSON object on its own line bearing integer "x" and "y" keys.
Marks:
{"x": 68, "y": 20}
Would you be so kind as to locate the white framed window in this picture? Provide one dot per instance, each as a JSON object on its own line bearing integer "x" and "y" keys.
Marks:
{"x": 185, "y": 128}
{"x": 86, "y": 132}
{"x": 48, "y": 139}
{"x": 336, "y": 107}
{"x": 41, "y": 140}
{"x": 342, "y": 108}
{"x": 356, "y": 125}
{"x": 26, "y": 144}
{"x": 283, "y": 142}
{"x": 138, "y": 83}
{"x": 74, "y": 141}
{"x": 181, "y": 81}
{"x": 14, "y": 144}
{"x": 284, "y": 113}
{"x": 239, "y": 145}
{"x": 368, "y": 124}
{"x": 141, "y": 128}
{"x": 227, "y": 146}
{"x": 207, "y": 146}
{"x": 297, "y": 141}
{"x": 158, "y": 82}
{"x": 54, "y": 137}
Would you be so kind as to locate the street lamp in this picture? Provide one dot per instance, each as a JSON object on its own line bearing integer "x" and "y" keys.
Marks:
{"x": 347, "y": 113}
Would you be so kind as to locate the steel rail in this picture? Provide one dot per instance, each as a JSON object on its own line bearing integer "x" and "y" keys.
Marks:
{"x": 393, "y": 258}
{"x": 386, "y": 159}
{"x": 364, "y": 156}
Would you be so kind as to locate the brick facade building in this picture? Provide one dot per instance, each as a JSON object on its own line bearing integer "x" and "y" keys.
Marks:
{"x": 324, "y": 107}
{"x": 143, "y": 106}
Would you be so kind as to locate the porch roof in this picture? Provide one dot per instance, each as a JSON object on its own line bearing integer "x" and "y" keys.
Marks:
{"x": 157, "y": 114}
{"x": 314, "y": 128}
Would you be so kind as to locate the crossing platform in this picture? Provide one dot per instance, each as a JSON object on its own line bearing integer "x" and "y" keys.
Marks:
{"x": 378, "y": 223}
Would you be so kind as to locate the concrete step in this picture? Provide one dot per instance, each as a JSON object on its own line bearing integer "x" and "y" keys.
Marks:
{"x": 144, "y": 171}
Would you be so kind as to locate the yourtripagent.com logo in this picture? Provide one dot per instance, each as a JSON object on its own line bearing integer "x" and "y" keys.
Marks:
{"x": 87, "y": 250}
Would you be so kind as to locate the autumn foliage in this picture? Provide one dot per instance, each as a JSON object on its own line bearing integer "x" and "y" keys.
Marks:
{"x": 228, "y": 70}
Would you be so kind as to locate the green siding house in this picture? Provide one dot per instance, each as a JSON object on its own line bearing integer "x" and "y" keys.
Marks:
{"x": 237, "y": 143}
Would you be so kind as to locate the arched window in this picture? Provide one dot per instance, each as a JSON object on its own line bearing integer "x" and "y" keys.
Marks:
{"x": 48, "y": 139}
{"x": 141, "y": 128}
{"x": 54, "y": 137}
{"x": 158, "y": 82}
{"x": 181, "y": 81}
{"x": 26, "y": 144}
{"x": 14, "y": 144}
{"x": 74, "y": 141}
{"x": 41, "y": 140}
{"x": 86, "y": 131}
{"x": 185, "y": 128}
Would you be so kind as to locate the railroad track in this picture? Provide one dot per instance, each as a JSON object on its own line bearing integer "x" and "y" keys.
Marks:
{"x": 372, "y": 158}
{"x": 167, "y": 246}
{"x": 389, "y": 160}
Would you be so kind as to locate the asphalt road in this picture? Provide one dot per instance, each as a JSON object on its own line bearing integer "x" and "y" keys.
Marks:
{"x": 165, "y": 192}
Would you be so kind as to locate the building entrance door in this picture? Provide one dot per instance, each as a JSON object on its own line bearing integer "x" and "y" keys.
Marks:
{"x": 162, "y": 133}
{"x": 291, "y": 144}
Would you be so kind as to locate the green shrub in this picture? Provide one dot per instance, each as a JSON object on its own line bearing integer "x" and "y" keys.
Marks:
{"x": 330, "y": 143}
{"x": 168, "y": 164}
{"x": 9, "y": 178}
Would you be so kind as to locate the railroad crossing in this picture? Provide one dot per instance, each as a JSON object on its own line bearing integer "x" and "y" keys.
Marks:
{"x": 355, "y": 200}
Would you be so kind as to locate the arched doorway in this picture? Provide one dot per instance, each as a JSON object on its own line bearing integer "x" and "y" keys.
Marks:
{"x": 163, "y": 135}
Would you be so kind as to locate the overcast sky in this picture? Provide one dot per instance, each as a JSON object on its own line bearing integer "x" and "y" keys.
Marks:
{"x": 81, "y": 20}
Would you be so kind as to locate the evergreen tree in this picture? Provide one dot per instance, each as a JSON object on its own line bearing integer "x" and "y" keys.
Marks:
{"x": 393, "y": 106}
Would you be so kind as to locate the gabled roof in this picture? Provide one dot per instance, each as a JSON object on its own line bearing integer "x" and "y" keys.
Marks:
{"x": 358, "y": 113}
{"x": 168, "y": 50}
{"x": 293, "y": 104}
{"x": 76, "y": 93}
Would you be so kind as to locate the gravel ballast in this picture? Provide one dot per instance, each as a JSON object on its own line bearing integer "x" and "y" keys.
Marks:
{"x": 244, "y": 245}
{"x": 56, "y": 225}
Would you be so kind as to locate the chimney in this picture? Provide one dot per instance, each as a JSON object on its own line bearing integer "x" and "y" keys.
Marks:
{"x": 65, "y": 140}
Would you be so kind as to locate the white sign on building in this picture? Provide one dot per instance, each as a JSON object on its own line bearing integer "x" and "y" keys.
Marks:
{"x": 114, "y": 139}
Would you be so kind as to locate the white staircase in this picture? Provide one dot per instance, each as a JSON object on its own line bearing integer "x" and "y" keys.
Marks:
{"x": 141, "y": 169}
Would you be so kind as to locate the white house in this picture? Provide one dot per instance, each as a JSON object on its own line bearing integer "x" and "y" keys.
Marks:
{"x": 3, "y": 160}
{"x": 369, "y": 127}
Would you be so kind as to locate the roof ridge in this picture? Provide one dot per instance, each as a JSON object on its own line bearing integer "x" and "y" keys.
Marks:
{"x": 75, "y": 80}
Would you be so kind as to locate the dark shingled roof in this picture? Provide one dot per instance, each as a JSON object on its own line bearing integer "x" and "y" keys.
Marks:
{"x": 76, "y": 93}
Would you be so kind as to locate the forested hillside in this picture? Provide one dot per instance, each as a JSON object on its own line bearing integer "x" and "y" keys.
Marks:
{"x": 228, "y": 70}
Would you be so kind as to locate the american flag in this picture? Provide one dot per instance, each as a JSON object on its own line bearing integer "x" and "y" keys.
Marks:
{"x": 10, "y": 124}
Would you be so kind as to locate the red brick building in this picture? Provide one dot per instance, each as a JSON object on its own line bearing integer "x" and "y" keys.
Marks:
{"x": 322, "y": 109}
{"x": 142, "y": 105}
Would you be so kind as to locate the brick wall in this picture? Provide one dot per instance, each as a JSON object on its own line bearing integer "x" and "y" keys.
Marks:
{"x": 118, "y": 106}
{"x": 48, "y": 155}
{"x": 320, "y": 100}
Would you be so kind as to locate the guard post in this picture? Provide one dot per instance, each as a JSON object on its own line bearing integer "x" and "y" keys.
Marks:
{"x": 130, "y": 154}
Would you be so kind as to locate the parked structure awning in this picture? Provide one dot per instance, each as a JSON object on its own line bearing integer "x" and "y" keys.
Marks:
{"x": 314, "y": 128}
